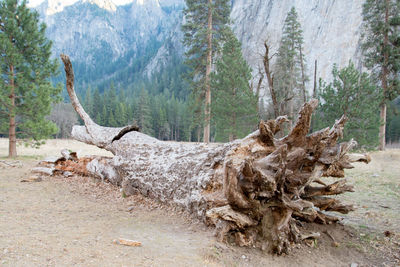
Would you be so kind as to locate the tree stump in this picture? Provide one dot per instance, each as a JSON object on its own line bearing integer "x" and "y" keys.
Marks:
{"x": 254, "y": 190}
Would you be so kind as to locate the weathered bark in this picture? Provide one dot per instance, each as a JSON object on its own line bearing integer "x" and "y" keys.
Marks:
{"x": 252, "y": 190}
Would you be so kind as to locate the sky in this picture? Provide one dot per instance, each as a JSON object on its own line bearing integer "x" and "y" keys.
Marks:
{"x": 38, "y": 2}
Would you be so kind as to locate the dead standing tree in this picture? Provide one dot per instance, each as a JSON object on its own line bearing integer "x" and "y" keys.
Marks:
{"x": 253, "y": 190}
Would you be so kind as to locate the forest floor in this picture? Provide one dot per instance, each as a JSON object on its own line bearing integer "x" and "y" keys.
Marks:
{"x": 73, "y": 221}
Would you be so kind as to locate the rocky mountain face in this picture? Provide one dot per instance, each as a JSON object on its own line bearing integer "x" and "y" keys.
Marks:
{"x": 331, "y": 30}
{"x": 103, "y": 38}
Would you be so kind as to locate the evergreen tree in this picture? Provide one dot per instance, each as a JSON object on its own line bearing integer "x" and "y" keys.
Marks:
{"x": 104, "y": 116}
{"x": 97, "y": 107}
{"x": 143, "y": 113}
{"x": 235, "y": 104}
{"x": 393, "y": 121}
{"x": 381, "y": 48}
{"x": 205, "y": 21}
{"x": 26, "y": 93}
{"x": 289, "y": 68}
{"x": 353, "y": 94}
{"x": 121, "y": 115}
{"x": 89, "y": 101}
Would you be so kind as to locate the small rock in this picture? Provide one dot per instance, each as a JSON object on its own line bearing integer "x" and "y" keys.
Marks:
{"x": 243, "y": 257}
{"x": 5, "y": 251}
{"x": 375, "y": 175}
{"x": 130, "y": 209}
{"x": 354, "y": 264}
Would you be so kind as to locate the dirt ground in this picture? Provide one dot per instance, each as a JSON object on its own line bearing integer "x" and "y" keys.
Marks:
{"x": 73, "y": 222}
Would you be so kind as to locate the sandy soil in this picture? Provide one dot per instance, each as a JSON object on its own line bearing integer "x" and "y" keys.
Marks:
{"x": 52, "y": 148}
{"x": 73, "y": 221}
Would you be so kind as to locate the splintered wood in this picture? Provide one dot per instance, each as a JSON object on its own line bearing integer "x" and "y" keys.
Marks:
{"x": 255, "y": 191}
{"x": 127, "y": 242}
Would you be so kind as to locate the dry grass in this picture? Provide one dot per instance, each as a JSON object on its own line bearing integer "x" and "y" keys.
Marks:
{"x": 377, "y": 191}
{"x": 53, "y": 148}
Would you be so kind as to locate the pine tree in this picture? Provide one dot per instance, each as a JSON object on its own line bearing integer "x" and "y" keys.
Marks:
{"x": 353, "y": 94}
{"x": 97, "y": 105}
{"x": 290, "y": 67}
{"x": 89, "y": 101}
{"x": 205, "y": 21}
{"x": 393, "y": 121}
{"x": 381, "y": 49}
{"x": 143, "y": 113}
{"x": 25, "y": 89}
{"x": 235, "y": 104}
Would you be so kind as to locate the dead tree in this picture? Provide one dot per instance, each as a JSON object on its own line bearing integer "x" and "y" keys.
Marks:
{"x": 270, "y": 78}
{"x": 253, "y": 190}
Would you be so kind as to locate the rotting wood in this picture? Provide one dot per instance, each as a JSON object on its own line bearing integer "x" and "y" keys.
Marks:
{"x": 253, "y": 190}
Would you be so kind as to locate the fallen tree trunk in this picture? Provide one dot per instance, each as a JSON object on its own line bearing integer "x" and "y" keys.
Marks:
{"x": 253, "y": 190}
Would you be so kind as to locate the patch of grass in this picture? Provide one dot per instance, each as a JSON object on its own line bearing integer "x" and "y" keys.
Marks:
{"x": 357, "y": 246}
{"x": 367, "y": 237}
{"x": 23, "y": 157}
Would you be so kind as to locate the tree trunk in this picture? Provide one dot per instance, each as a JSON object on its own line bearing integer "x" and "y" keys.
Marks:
{"x": 315, "y": 80}
{"x": 253, "y": 190}
{"x": 12, "y": 137}
{"x": 385, "y": 72}
{"x": 258, "y": 89}
{"x": 382, "y": 128}
{"x": 303, "y": 76}
{"x": 270, "y": 79}
{"x": 207, "y": 103}
{"x": 314, "y": 94}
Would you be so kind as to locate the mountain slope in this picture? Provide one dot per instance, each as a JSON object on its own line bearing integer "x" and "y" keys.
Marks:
{"x": 103, "y": 39}
{"x": 331, "y": 30}
{"x": 106, "y": 41}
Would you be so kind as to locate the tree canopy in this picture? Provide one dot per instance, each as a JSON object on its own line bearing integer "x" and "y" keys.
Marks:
{"x": 381, "y": 49}
{"x": 235, "y": 104}
{"x": 353, "y": 94}
{"x": 26, "y": 93}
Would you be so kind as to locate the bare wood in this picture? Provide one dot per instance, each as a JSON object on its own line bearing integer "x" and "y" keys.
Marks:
{"x": 127, "y": 242}
{"x": 258, "y": 89}
{"x": 251, "y": 190}
{"x": 270, "y": 78}
{"x": 303, "y": 76}
{"x": 336, "y": 188}
{"x": 315, "y": 80}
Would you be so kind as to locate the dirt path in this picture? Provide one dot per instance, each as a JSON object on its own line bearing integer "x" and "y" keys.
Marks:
{"x": 73, "y": 221}
{"x": 52, "y": 223}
